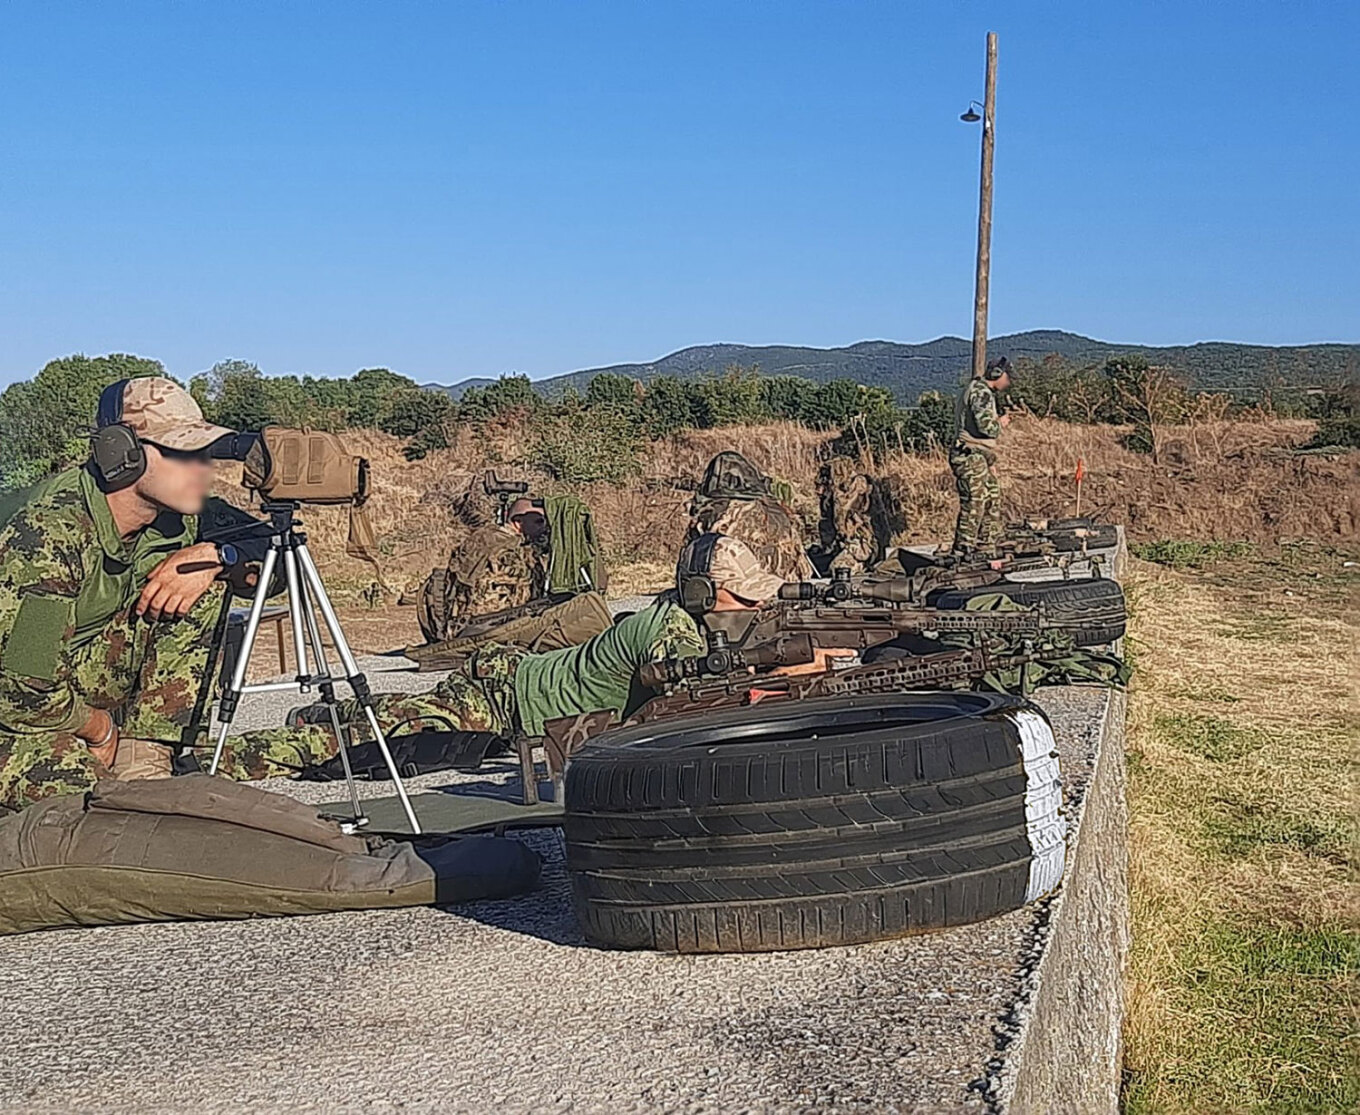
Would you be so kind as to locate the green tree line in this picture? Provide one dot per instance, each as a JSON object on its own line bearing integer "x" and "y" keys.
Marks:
{"x": 45, "y": 421}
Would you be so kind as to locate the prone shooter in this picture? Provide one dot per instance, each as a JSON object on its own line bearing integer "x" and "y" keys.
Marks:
{"x": 786, "y": 648}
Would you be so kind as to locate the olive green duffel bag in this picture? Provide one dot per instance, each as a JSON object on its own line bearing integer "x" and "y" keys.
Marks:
{"x": 537, "y": 626}
{"x": 199, "y": 847}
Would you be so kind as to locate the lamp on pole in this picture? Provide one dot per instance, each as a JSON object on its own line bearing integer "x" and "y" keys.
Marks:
{"x": 984, "y": 247}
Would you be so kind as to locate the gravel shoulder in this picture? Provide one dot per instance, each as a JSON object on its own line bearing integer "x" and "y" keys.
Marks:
{"x": 501, "y": 1004}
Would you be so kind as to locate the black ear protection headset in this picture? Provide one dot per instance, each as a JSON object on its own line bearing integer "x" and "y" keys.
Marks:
{"x": 996, "y": 369}
{"x": 118, "y": 454}
{"x": 693, "y": 575}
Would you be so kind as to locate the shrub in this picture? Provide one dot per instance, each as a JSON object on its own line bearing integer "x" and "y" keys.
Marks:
{"x": 45, "y": 421}
{"x": 734, "y": 398}
{"x": 667, "y": 406}
{"x": 581, "y": 444}
{"x": 619, "y": 392}
{"x": 507, "y": 394}
{"x": 1338, "y": 415}
{"x": 423, "y": 417}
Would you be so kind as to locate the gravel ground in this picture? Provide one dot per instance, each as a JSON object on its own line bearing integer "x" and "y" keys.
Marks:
{"x": 501, "y": 1005}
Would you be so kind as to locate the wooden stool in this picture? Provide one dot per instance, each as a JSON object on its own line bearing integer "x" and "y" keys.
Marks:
{"x": 236, "y": 633}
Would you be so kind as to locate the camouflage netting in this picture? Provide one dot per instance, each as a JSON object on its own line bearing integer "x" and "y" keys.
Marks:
{"x": 473, "y": 507}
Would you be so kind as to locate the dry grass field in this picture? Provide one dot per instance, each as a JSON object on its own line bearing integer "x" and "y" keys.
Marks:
{"x": 1244, "y": 737}
{"x": 1222, "y": 481}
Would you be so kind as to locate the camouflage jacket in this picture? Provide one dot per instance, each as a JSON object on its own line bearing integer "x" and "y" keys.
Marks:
{"x": 65, "y": 572}
{"x": 772, "y": 530}
{"x": 846, "y": 527}
{"x": 975, "y": 418}
{"x": 491, "y": 570}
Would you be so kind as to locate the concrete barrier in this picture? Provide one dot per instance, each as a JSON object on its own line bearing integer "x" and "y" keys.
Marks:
{"x": 1063, "y": 1049}
{"x": 1063, "y": 1052}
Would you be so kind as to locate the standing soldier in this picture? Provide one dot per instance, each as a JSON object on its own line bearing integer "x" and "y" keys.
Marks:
{"x": 973, "y": 459}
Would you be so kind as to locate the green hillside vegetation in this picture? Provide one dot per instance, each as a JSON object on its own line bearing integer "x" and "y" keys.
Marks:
{"x": 908, "y": 370}
{"x": 595, "y": 431}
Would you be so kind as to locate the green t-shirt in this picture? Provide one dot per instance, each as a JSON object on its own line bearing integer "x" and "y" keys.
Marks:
{"x": 601, "y": 673}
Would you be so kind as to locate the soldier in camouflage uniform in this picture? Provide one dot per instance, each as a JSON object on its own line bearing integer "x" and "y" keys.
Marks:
{"x": 108, "y": 598}
{"x": 509, "y": 691}
{"x": 737, "y": 500}
{"x": 498, "y": 566}
{"x": 973, "y": 460}
{"x": 846, "y": 528}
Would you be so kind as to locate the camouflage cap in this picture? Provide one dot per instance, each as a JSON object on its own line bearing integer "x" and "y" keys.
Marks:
{"x": 737, "y": 569}
{"x": 160, "y": 411}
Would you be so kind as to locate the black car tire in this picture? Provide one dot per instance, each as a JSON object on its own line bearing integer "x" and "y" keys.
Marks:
{"x": 815, "y": 823}
{"x": 1091, "y": 610}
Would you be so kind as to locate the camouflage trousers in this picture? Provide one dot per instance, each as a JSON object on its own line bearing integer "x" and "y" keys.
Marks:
{"x": 856, "y": 553}
{"x": 482, "y": 699}
{"x": 979, "y": 525}
{"x": 148, "y": 675}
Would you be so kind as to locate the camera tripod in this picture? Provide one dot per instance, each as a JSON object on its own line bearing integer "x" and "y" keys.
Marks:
{"x": 306, "y": 594}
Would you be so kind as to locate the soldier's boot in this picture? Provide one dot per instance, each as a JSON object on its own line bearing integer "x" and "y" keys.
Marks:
{"x": 302, "y": 715}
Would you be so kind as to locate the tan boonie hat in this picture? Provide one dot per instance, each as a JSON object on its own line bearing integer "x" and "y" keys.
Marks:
{"x": 738, "y": 570}
{"x": 160, "y": 411}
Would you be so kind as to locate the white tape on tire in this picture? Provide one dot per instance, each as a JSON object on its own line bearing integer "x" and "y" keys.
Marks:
{"x": 1045, "y": 823}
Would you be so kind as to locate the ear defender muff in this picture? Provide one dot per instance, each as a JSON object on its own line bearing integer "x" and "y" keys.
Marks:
{"x": 118, "y": 456}
{"x": 995, "y": 371}
{"x": 693, "y": 580}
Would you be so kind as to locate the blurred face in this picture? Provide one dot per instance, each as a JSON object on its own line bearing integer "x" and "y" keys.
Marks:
{"x": 1002, "y": 383}
{"x": 725, "y": 601}
{"x": 175, "y": 479}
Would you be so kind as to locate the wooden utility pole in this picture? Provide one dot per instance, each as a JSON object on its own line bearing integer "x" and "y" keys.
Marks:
{"x": 984, "y": 252}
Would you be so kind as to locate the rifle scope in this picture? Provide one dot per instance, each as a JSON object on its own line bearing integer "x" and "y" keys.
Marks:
{"x": 722, "y": 659}
{"x": 892, "y": 591}
{"x": 495, "y": 486}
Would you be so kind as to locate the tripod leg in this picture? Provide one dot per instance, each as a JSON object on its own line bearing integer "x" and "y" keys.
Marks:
{"x": 358, "y": 682}
{"x": 185, "y": 761}
{"x": 232, "y": 697}
{"x": 326, "y": 685}
{"x": 290, "y": 572}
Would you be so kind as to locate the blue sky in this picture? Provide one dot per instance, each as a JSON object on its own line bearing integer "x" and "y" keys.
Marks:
{"x": 469, "y": 189}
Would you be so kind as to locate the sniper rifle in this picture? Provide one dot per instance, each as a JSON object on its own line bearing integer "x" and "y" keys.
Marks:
{"x": 949, "y": 669}
{"x": 925, "y": 574}
{"x": 858, "y": 614}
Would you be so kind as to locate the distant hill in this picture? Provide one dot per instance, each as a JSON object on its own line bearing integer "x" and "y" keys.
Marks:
{"x": 910, "y": 369}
